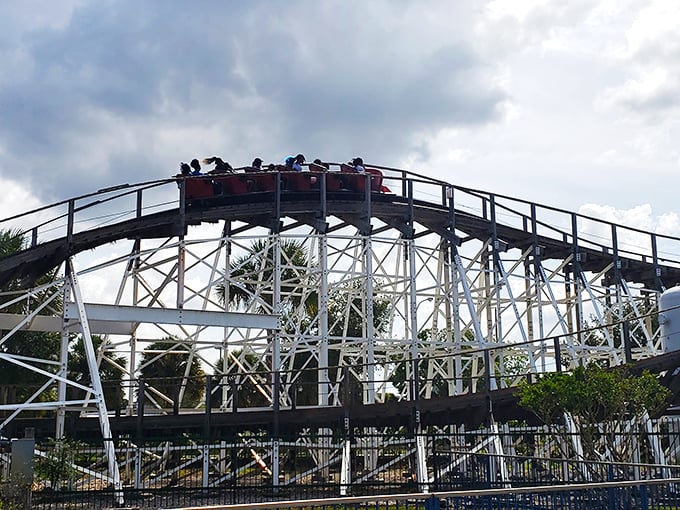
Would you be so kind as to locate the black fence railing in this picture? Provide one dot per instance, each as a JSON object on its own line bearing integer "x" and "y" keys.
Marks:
{"x": 256, "y": 467}
{"x": 641, "y": 495}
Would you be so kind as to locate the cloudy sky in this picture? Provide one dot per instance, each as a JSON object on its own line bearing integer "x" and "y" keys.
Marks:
{"x": 568, "y": 103}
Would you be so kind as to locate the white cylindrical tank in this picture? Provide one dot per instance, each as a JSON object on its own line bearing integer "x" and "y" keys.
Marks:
{"x": 669, "y": 319}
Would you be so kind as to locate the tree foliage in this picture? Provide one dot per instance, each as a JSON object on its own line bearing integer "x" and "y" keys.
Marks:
{"x": 248, "y": 385}
{"x": 511, "y": 366}
{"x": 599, "y": 400}
{"x": 402, "y": 367}
{"x": 347, "y": 311}
{"x": 250, "y": 283}
{"x": 18, "y": 383}
{"x": 12, "y": 242}
{"x": 593, "y": 394}
{"x": 58, "y": 466}
{"x": 249, "y": 271}
{"x": 111, "y": 376}
{"x": 163, "y": 365}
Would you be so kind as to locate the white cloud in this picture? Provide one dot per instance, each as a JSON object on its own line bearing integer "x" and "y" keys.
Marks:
{"x": 649, "y": 57}
{"x": 16, "y": 198}
{"x": 544, "y": 24}
{"x": 497, "y": 96}
{"x": 656, "y": 31}
{"x": 653, "y": 92}
{"x": 95, "y": 95}
{"x": 640, "y": 216}
{"x": 668, "y": 224}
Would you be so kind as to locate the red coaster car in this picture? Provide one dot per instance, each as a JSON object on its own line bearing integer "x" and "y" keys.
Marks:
{"x": 298, "y": 181}
{"x": 376, "y": 179}
{"x": 334, "y": 181}
{"x": 198, "y": 187}
{"x": 353, "y": 181}
{"x": 262, "y": 182}
{"x": 235, "y": 184}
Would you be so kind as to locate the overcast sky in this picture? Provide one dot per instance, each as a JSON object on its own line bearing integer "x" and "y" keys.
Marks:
{"x": 568, "y": 103}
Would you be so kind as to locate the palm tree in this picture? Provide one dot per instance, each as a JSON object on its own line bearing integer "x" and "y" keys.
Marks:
{"x": 251, "y": 286}
{"x": 249, "y": 386}
{"x": 18, "y": 383}
{"x": 161, "y": 363}
{"x": 110, "y": 373}
{"x": 251, "y": 274}
{"x": 11, "y": 242}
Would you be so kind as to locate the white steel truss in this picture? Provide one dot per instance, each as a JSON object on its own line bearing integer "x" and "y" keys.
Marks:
{"x": 392, "y": 311}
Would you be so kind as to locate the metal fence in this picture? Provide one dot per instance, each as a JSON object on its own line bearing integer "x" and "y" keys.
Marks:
{"x": 656, "y": 494}
{"x": 314, "y": 464}
{"x": 646, "y": 494}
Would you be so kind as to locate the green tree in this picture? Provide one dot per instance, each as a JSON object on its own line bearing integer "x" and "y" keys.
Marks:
{"x": 402, "y": 367}
{"x": 109, "y": 372}
{"x": 250, "y": 284}
{"x": 440, "y": 385}
{"x": 18, "y": 383}
{"x": 249, "y": 386}
{"x": 59, "y": 466}
{"x": 163, "y": 365}
{"x": 346, "y": 320}
{"x": 251, "y": 277}
{"x": 346, "y": 312}
{"x": 600, "y": 401}
{"x": 251, "y": 274}
{"x": 250, "y": 281}
{"x": 11, "y": 242}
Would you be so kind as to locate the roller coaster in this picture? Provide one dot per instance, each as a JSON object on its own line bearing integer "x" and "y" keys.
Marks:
{"x": 338, "y": 299}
